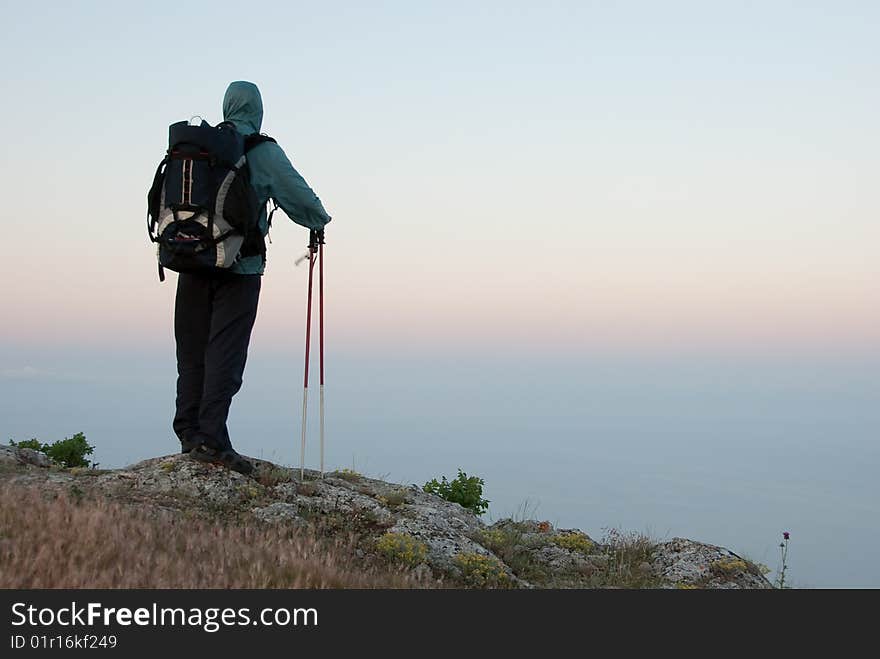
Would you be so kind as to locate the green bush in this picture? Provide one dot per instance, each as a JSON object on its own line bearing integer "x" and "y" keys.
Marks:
{"x": 33, "y": 443}
{"x": 467, "y": 492}
{"x": 69, "y": 452}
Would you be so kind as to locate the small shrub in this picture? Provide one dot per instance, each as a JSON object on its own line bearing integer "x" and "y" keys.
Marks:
{"x": 68, "y": 452}
{"x": 482, "y": 571}
{"x": 32, "y": 443}
{"x": 467, "y": 492}
{"x": 402, "y": 548}
{"x": 573, "y": 542}
{"x": 71, "y": 451}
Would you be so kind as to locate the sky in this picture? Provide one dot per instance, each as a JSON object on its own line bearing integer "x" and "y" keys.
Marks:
{"x": 587, "y": 208}
{"x": 627, "y": 175}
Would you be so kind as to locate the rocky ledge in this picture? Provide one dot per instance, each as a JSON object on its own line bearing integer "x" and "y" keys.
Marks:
{"x": 398, "y": 524}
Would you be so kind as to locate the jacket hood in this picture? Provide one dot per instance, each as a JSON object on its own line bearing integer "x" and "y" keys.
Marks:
{"x": 243, "y": 106}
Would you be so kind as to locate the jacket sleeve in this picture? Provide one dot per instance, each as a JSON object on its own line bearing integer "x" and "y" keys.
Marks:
{"x": 291, "y": 191}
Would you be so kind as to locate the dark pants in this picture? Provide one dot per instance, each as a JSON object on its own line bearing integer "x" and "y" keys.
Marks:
{"x": 213, "y": 318}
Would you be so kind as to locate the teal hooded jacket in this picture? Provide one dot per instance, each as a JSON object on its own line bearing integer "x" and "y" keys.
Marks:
{"x": 272, "y": 174}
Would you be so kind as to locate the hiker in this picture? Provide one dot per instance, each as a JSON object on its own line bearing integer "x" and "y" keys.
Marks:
{"x": 215, "y": 311}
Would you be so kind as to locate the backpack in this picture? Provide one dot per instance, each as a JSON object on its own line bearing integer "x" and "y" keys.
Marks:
{"x": 201, "y": 209}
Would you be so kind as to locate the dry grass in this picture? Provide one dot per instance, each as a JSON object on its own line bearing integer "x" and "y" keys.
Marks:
{"x": 49, "y": 541}
{"x": 271, "y": 476}
{"x": 626, "y": 554}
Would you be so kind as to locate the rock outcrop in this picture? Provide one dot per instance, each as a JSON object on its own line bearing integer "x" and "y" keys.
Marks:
{"x": 23, "y": 456}
{"x": 399, "y": 524}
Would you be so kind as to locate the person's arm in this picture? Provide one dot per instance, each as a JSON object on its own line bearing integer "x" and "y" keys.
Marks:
{"x": 290, "y": 190}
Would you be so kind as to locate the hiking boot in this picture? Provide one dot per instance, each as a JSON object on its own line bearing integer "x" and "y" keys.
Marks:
{"x": 187, "y": 445}
{"x": 226, "y": 457}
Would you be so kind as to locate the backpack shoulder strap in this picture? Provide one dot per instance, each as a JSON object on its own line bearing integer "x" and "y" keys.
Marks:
{"x": 255, "y": 139}
{"x": 251, "y": 141}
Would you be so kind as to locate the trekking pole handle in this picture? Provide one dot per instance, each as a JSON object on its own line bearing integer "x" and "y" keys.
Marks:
{"x": 316, "y": 238}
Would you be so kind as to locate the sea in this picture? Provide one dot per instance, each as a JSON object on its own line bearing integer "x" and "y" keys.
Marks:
{"x": 727, "y": 450}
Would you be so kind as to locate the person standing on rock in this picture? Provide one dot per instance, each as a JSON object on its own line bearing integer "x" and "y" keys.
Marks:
{"x": 214, "y": 313}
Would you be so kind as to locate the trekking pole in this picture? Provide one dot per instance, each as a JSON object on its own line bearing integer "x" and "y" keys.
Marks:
{"x": 321, "y": 340}
{"x": 302, "y": 451}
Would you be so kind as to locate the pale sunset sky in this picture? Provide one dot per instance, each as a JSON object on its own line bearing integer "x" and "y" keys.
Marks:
{"x": 557, "y": 176}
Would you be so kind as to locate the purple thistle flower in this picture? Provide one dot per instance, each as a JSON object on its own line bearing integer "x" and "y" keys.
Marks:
{"x": 785, "y": 534}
